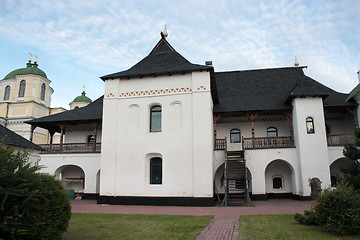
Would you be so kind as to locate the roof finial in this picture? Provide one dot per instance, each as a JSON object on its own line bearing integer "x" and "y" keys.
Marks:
{"x": 83, "y": 88}
{"x": 296, "y": 63}
{"x": 164, "y": 33}
{"x": 30, "y": 56}
{"x": 36, "y": 57}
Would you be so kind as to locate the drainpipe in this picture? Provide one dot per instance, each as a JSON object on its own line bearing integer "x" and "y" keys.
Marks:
{"x": 7, "y": 114}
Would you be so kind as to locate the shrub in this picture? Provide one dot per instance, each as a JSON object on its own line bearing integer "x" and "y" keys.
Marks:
{"x": 309, "y": 218}
{"x": 54, "y": 210}
{"x": 336, "y": 211}
{"x": 32, "y": 205}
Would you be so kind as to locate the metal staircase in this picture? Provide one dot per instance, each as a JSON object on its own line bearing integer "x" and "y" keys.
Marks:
{"x": 235, "y": 179}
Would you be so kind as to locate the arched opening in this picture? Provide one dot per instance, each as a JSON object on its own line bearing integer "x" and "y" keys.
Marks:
{"x": 219, "y": 180}
{"x": 71, "y": 177}
{"x": 22, "y": 88}
{"x": 7, "y": 93}
{"x": 315, "y": 185}
{"x": 279, "y": 179}
{"x": 42, "y": 94}
{"x": 335, "y": 169}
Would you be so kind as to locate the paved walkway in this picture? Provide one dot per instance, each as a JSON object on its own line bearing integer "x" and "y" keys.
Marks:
{"x": 224, "y": 225}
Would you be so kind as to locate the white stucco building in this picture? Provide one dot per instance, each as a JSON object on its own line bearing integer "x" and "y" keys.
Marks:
{"x": 169, "y": 132}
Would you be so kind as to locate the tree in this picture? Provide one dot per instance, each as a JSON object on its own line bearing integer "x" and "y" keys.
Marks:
{"x": 352, "y": 151}
{"x": 32, "y": 205}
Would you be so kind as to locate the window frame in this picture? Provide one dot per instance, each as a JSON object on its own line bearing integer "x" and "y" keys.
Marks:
{"x": 281, "y": 182}
{"x": 235, "y": 132}
{"x": 272, "y": 130}
{"x": 43, "y": 91}
{"x": 22, "y": 88}
{"x": 154, "y": 110}
{"x": 7, "y": 93}
{"x": 155, "y": 163}
{"x": 310, "y": 126}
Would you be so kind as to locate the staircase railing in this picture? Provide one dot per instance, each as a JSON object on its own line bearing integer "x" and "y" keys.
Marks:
{"x": 247, "y": 195}
{"x": 226, "y": 187}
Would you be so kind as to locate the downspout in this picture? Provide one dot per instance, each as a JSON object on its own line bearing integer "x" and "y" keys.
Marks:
{"x": 7, "y": 114}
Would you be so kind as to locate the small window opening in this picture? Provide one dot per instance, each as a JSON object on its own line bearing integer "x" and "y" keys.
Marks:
{"x": 235, "y": 136}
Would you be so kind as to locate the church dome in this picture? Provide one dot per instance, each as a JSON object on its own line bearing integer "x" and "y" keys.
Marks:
{"x": 31, "y": 68}
{"x": 82, "y": 98}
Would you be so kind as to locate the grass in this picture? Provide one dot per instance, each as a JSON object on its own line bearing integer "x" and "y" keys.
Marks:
{"x": 116, "y": 226}
{"x": 281, "y": 227}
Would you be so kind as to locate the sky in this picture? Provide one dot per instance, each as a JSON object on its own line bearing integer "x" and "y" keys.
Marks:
{"x": 79, "y": 41}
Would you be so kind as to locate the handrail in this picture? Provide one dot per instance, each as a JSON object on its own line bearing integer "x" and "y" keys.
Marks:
{"x": 340, "y": 139}
{"x": 225, "y": 203}
{"x": 70, "y": 148}
{"x": 268, "y": 142}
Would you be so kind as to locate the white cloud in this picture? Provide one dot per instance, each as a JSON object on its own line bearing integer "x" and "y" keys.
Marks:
{"x": 110, "y": 36}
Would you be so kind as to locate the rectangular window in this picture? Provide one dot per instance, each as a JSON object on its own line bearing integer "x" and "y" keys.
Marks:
{"x": 155, "y": 119}
{"x": 156, "y": 171}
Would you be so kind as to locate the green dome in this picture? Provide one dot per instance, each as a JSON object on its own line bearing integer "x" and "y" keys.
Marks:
{"x": 82, "y": 98}
{"x": 30, "y": 69}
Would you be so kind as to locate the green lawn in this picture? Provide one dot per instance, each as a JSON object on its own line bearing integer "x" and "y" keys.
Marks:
{"x": 116, "y": 226}
{"x": 280, "y": 227}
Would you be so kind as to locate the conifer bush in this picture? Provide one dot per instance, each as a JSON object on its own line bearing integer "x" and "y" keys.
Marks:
{"x": 32, "y": 205}
{"x": 337, "y": 211}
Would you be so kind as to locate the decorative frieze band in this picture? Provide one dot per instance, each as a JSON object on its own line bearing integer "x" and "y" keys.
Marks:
{"x": 156, "y": 92}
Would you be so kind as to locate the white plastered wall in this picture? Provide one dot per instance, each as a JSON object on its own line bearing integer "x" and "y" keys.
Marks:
{"x": 312, "y": 149}
{"x": 185, "y": 146}
{"x": 88, "y": 162}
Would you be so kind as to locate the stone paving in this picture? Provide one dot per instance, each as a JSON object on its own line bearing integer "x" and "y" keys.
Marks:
{"x": 224, "y": 225}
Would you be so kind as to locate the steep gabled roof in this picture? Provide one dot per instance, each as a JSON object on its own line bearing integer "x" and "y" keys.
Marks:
{"x": 12, "y": 139}
{"x": 91, "y": 112}
{"x": 270, "y": 89}
{"x": 162, "y": 60}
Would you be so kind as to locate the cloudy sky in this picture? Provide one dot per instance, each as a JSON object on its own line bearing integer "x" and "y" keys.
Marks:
{"x": 78, "y": 41}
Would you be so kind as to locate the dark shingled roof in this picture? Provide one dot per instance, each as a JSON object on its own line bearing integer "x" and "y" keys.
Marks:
{"x": 162, "y": 60}
{"x": 91, "y": 112}
{"x": 270, "y": 89}
{"x": 12, "y": 139}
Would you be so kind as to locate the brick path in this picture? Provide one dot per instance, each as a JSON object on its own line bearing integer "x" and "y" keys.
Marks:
{"x": 224, "y": 225}
{"x": 221, "y": 228}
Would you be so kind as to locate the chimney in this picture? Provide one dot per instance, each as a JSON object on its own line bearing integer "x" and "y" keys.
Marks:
{"x": 358, "y": 75}
{"x": 208, "y": 63}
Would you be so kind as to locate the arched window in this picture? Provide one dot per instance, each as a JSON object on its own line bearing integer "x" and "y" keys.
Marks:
{"x": 277, "y": 182}
{"x": 310, "y": 125}
{"x": 7, "y": 93}
{"x": 155, "y": 119}
{"x": 156, "y": 170}
{"x": 22, "y": 88}
{"x": 235, "y": 136}
{"x": 90, "y": 139}
{"x": 42, "y": 95}
{"x": 272, "y": 132}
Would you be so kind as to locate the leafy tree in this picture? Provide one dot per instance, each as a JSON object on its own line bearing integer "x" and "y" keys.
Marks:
{"x": 32, "y": 205}
{"x": 352, "y": 173}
